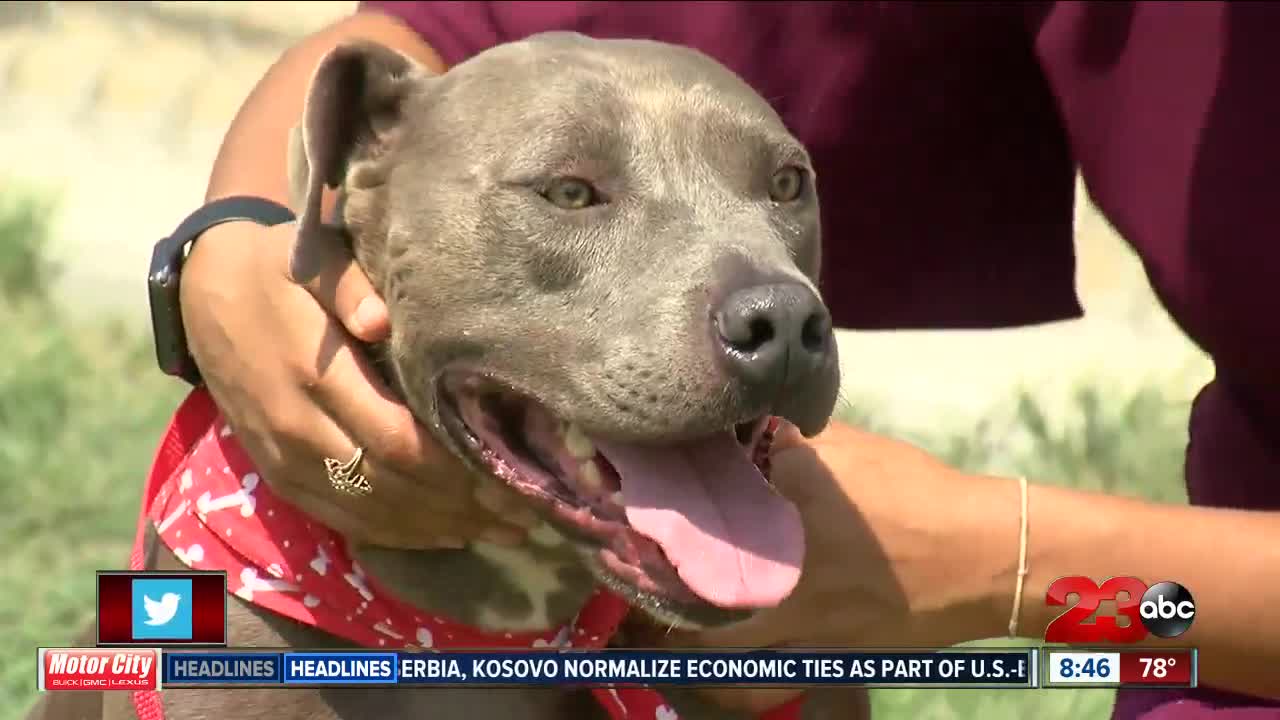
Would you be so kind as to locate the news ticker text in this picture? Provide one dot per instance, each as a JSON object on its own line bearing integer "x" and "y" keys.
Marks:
{"x": 1020, "y": 668}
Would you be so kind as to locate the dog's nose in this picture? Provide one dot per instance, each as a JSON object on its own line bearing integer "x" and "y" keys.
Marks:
{"x": 774, "y": 336}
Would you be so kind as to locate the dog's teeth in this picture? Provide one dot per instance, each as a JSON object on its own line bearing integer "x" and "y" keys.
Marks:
{"x": 578, "y": 444}
{"x": 589, "y": 478}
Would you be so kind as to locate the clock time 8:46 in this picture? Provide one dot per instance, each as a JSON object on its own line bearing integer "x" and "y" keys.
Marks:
{"x": 1083, "y": 668}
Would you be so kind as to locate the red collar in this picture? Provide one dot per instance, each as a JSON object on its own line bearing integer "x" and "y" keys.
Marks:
{"x": 211, "y": 509}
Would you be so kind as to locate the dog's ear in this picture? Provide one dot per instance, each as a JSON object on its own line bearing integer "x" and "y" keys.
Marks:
{"x": 352, "y": 111}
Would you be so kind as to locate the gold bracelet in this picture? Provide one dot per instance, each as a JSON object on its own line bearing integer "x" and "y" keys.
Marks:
{"x": 1022, "y": 561}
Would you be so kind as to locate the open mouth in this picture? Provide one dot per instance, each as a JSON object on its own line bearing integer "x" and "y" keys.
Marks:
{"x": 686, "y": 522}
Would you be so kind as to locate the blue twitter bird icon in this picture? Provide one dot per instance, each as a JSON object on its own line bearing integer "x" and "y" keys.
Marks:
{"x": 162, "y": 608}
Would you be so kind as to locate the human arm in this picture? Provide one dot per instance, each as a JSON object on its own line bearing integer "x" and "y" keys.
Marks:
{"x": 905, "y": 551}
{"x": 283, "y": 362}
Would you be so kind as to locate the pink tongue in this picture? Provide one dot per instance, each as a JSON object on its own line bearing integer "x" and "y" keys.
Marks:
{"x": 732, "y": 539}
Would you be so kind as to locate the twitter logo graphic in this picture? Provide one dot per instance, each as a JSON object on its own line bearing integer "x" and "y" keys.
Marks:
{"x": 162, "y": 609}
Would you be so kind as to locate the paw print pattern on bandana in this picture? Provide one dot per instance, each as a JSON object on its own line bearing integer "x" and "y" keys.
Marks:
{"x": 215, "y": 513}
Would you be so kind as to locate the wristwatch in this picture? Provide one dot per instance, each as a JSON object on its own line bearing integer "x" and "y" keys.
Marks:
{"x": 166, "y": 273}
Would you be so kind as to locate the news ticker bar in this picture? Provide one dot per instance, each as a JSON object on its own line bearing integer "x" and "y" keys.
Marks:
{"x": 1022, "y": 668}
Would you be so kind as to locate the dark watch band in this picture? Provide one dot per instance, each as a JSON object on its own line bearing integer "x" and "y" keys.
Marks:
{"x": 166, "y": 271}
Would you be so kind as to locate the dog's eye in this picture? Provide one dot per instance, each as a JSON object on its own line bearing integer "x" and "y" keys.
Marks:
{"x": 787, "y": 184}
{"x": 571, "y": 193}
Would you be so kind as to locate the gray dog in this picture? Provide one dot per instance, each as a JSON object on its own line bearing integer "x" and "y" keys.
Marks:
{"x": 600, "y": 261}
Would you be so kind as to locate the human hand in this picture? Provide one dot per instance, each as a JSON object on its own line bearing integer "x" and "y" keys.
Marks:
{"x": 295, "y": 386}
{"x": 901, "y": 551}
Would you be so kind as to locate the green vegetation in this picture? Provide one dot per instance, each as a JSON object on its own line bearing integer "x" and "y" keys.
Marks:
{"x": 81, "y": 406}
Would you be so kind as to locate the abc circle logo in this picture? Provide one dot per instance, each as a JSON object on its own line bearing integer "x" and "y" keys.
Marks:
{"x": 1167, "y": 609}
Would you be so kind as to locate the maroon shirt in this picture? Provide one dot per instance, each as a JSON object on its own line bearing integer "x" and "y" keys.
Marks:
{"x": 948, "y": 135}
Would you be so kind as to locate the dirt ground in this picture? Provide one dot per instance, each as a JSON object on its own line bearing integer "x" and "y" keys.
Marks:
{"x": 119, "y": 108}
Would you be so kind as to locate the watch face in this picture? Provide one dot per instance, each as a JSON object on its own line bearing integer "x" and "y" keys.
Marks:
{"x": 164, "y": 276}
{"x": 166, "y": 312}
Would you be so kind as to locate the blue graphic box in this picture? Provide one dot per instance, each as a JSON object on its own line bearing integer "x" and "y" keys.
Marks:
{"x": 161, "y": 608}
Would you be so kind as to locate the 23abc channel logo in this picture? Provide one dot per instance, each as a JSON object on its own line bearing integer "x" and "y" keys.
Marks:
{"x": 1165, "y": 610}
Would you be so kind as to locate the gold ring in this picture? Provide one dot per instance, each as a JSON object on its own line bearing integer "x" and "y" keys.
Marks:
{"x": 343, "y": 476}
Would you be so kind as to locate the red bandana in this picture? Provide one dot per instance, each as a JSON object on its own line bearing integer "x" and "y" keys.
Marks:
{"x": 213, "y": 511}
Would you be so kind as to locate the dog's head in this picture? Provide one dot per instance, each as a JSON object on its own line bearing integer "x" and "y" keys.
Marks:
{"x": 600, "y": 261}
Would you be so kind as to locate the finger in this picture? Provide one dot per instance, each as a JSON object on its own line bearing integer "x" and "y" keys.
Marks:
{"x": 379, "y": 515}
{"x": 346, "y": 292}
{"x": 798, "y": 474}
{"x": 360, "y": 401}
{"x": 375, "y": 419}
{"x": 339, "y": 378}
{"x": 341, "y": 286}
{"x": 787, "y": 436}
{"x": 487, "y": 508}
{"x": 349, "y": 388}
{"x": 291, "y": 445}
{"x": 391, "y": 434}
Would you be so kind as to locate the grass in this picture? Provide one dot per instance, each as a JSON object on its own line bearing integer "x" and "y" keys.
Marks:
{"x": 82, "y": 406}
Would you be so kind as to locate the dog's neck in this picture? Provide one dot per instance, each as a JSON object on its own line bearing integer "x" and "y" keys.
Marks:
{"x": 538, "y": 586}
